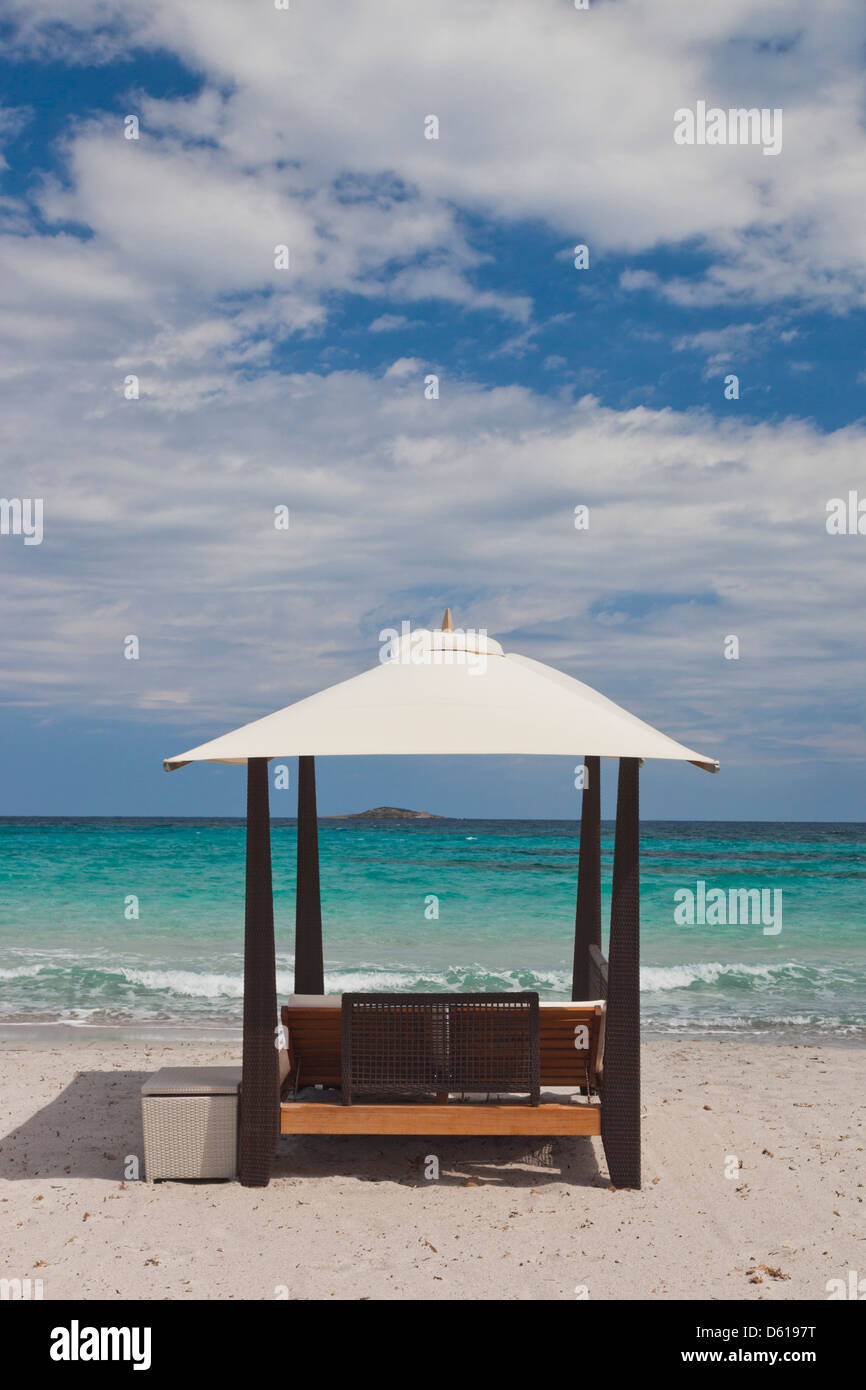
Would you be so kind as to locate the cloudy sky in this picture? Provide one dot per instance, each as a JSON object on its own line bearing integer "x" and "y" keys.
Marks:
{"x": 259, "y": 387}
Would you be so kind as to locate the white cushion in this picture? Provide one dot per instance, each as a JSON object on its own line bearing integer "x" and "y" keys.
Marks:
{"x": 315, "y": 1001}
{"x": 572, "y": 1004}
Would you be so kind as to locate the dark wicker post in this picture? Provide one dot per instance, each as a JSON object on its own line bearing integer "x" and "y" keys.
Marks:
{"x": 620, "y": 1111}
{"x": 260, "y": 1086}
{"x": 309, "y": 969}
{"x": 587, "y": 917}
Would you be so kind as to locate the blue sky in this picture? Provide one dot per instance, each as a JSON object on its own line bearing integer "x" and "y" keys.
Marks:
{"x": 558, "y": 387}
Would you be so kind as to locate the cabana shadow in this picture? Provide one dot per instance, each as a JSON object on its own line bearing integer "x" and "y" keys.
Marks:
{"x": 87, "y": 1131}
{"x": 489, "y": 1160}
{"x": 94, "y": 1125}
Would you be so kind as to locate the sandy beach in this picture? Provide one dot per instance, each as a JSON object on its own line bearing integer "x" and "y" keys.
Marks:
{"x": 352, "y": 1218}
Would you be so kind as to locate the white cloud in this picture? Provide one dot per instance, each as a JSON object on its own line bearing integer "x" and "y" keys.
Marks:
{"x": 159, "y": 512}
{"x": 725, "y": 348}
{"x": 159, "y": 521}
{"x": 297, "y": 100}
{"x": 405, "y": 366}
{"x": 388, "y": 323}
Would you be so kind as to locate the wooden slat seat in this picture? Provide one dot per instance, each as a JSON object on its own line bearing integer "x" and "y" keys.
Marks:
{"x": 327, "y": 1116}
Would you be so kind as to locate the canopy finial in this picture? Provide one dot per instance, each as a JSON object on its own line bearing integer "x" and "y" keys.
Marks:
{"x": 448, "y": 621}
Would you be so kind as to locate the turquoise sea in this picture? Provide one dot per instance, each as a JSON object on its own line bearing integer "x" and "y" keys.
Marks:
{"x": 73, "y": 953}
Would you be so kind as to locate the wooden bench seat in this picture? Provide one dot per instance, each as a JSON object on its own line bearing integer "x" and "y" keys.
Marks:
{"x": 328, "y": 1116}
{"x": 571, "y": 1045}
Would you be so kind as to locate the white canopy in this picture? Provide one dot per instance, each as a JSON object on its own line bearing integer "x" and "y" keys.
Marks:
{"x": 448, "y": 692}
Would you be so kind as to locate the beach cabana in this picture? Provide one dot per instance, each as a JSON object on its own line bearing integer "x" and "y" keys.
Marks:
{"x": 447, "y": 693}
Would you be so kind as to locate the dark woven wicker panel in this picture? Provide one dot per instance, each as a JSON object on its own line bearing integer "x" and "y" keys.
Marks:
{"x": 415, "y": 1044}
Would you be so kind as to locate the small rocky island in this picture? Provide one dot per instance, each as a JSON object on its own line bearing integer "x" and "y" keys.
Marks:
{"x": 387, "y": 813}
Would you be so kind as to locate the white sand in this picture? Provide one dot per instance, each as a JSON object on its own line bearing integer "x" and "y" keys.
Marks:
{"x": 509, "y": 1218}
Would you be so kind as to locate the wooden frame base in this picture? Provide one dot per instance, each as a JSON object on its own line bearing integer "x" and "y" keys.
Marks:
{"x": 324, "y": 1117}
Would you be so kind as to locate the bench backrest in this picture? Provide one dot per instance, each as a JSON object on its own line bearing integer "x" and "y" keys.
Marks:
{"x": 571, "y": 1041}
{"x": 414, "y": 1044}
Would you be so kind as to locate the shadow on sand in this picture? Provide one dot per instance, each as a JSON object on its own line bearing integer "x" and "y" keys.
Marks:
{"x": 93, "y": 1126}
{"x": 498, "y": 1160}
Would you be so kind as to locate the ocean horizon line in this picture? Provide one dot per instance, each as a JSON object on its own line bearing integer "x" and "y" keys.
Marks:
{"x": 416, "y": 819}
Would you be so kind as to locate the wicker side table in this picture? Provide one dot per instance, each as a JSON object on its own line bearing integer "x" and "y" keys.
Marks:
{"x": 190, "y": 1121}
